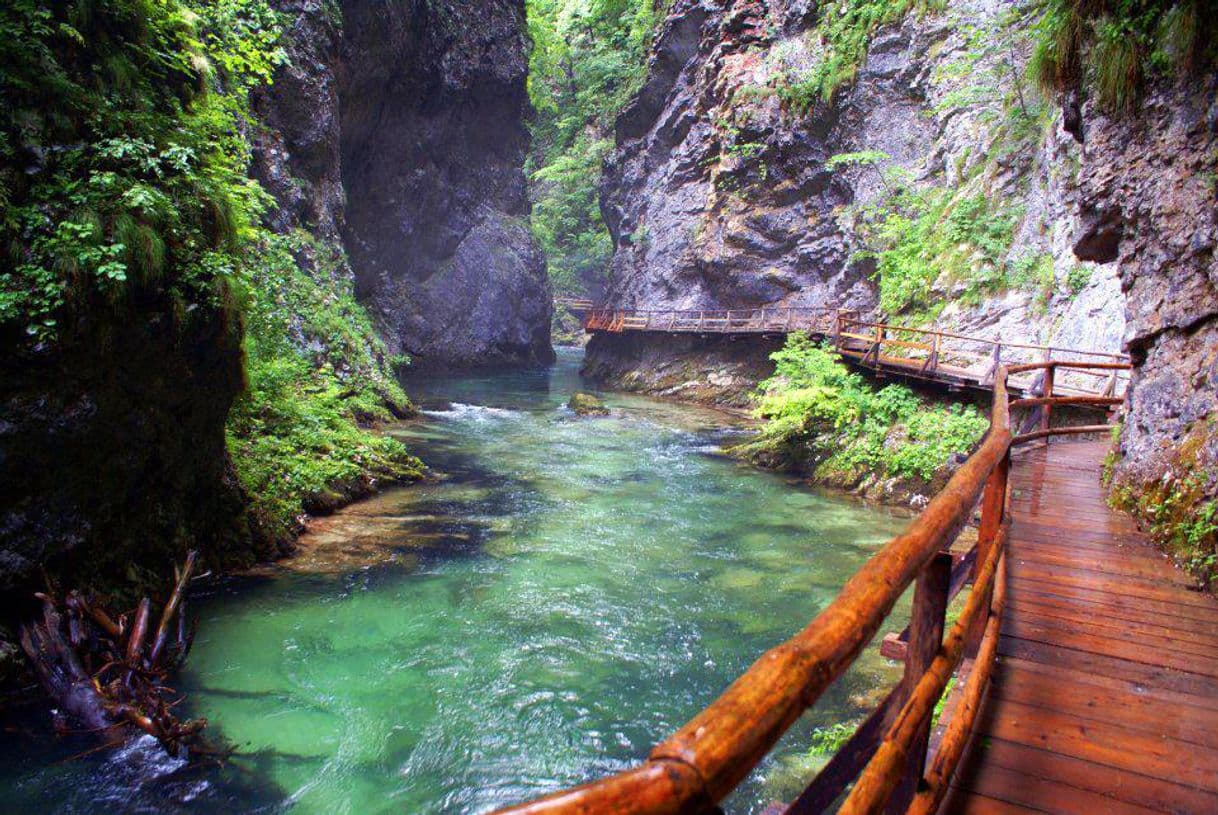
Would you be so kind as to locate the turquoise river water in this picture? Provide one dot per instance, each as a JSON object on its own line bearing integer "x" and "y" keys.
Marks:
{"x": 568, "y": 593}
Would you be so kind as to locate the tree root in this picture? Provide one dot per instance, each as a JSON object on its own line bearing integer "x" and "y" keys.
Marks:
{"x": 105, "y": 673}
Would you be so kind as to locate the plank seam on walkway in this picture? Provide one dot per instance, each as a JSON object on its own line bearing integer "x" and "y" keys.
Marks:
{"x": 1105, "y": 698}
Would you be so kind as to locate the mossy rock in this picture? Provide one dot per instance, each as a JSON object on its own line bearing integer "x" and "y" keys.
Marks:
{"x": 585, "y": 404}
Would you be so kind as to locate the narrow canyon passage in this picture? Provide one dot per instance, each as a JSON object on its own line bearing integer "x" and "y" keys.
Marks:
{"x": 571, "y": 591}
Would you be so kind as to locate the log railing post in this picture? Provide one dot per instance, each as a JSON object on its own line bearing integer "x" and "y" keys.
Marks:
{"x": 875, "y": 346}
{"x": 837, "y": 329}
{"x": 995, "y": 360}
{"x": 1046, "y": 412}
{"x": 926, "y": 624}
{"x": 993, "y": 514}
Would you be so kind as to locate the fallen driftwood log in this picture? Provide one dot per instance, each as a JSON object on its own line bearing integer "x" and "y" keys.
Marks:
{"x": 108, "y": 675}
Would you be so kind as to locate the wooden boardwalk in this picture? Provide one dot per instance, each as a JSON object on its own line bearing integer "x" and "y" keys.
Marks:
{"x": 946, "y": 358}
{"x": 1104, "y": 698}
{"x": 1086, "y": 663}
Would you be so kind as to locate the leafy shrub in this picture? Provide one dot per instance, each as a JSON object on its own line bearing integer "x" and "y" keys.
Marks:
{"x": 814, "y": 401}
{"x": 1179, "y": 508}
{"x": 1077, "y": 278}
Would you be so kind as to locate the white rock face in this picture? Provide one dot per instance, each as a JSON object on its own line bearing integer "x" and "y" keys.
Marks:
{"x": 721, "y": 195}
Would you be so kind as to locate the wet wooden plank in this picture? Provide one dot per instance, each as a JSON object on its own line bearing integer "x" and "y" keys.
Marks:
{"x": 1105, "y": 699}
{"x": 1044, "y": 794}
{"x": 1139, "y": 711}
{"x": 1108, "y": 744}
{"x": 1042, "y": 771}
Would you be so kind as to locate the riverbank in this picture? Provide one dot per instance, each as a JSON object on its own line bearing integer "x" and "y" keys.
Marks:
{"x": 565, "y": 592}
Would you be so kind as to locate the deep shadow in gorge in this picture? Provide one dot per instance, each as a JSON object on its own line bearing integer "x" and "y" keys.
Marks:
{"x": 432, "y": 103}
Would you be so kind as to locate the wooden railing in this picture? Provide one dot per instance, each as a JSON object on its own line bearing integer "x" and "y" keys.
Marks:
{"x": 920, "y": 353}
{"x": 890, "y": 754}
{"x": 712, "y": 321}
{"x": 939, "y": 354}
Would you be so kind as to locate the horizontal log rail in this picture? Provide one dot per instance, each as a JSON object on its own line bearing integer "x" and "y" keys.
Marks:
{"x": 932, "y": 354}
{"x": 700, "y": 764}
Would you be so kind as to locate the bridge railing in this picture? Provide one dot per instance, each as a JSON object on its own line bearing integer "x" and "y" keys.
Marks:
{"x": 935, "y": 352}
{"x": 710, "y": 321}
{"x": 926, "y": 353}
{"x": 889, "y": 759}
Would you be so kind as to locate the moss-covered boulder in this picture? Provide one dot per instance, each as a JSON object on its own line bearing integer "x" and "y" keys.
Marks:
{"x": 585, "y": 404}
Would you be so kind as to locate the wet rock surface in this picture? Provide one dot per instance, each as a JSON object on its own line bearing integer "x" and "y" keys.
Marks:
{"x": 585, "y": 404}
{"x": 721, "y": 195}
{"x": 719, "y": 371}
{"x": 113, "y": 455}
{"x": 396, "y": 133}
{"x": 1155, "y": 172}
{"x": 432, "y": 101}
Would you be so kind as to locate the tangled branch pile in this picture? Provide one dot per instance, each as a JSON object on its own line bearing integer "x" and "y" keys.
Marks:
{"x": 109, "y": 673}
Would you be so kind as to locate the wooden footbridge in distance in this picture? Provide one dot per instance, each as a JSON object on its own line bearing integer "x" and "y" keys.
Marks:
{"x": 1086, "y": 665}
{"x": 956, "y": 361}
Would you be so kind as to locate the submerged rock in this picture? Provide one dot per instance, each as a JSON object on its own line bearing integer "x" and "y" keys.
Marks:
{"x": 585, "y": 404}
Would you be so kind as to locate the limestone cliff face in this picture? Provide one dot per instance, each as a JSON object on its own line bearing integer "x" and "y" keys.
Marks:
{"x": 433, "y": 100}
{"x": 396, "y": 131}
{"x": 721, "y": 194}
{"x": 1149, "y": 205}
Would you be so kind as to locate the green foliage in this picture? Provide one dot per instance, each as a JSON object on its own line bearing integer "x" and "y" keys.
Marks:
{"x": 1034, "y": 272}
{"x": 984, "y": 78}
{"x": 814, "y": 401}
{"x": 839, "y": 42}
{"x": 122, "y": 163}
{"x": 588, "y": 60}
{"x": 942, "y": 703}
{"x": 316, "y": 369}
{"x": 1179, "y": 508}
{"x": 123, "y": 179}
{"x": 827, "y": 741}
{"x": 567, "y": 218}
{"x": 917, "y": 235}
{"x": 1113, "y": 46}
{"x": 1077, "y": 278}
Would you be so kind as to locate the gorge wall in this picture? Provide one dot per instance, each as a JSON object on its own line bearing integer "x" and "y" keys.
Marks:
{"x": 391, "y": 135}
{"x": 397, "y": 131}
{"x": 724, "y": 190}
{"x": 1150, "y": 203}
